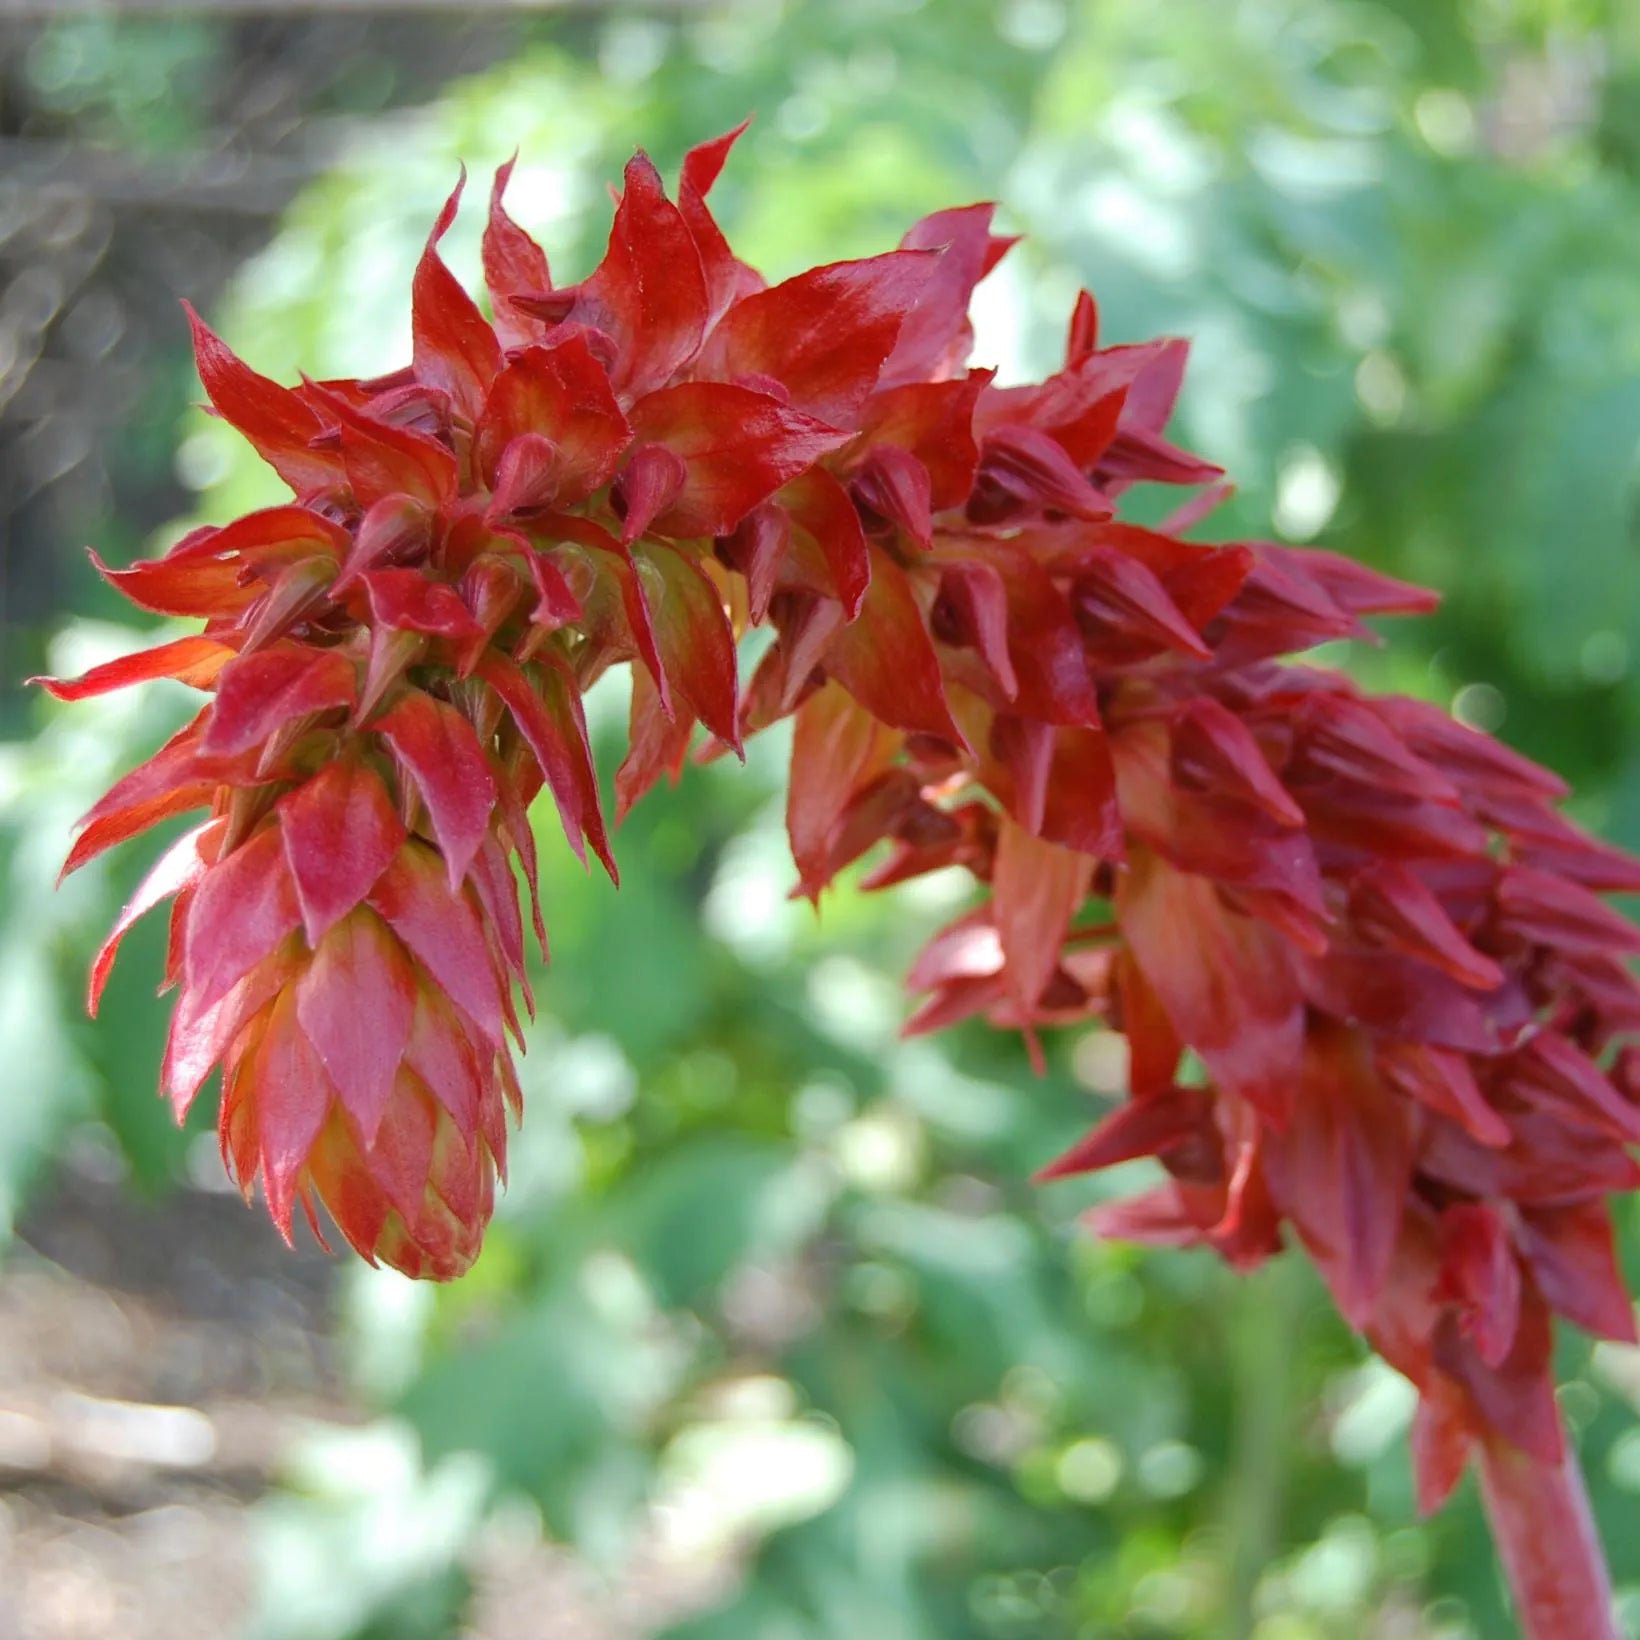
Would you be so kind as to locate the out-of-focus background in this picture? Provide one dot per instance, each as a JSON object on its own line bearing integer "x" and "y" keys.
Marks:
{"x": 772, "y": 1339}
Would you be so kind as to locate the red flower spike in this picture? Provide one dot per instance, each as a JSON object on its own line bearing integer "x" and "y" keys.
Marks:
{"x": 1368, "y": 922}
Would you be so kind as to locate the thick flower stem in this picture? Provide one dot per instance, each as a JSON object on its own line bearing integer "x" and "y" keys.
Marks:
{"x": 1546, "y": 1539}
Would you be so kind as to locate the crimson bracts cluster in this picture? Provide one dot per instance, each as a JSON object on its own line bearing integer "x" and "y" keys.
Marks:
{"x": 1368, "y": 924}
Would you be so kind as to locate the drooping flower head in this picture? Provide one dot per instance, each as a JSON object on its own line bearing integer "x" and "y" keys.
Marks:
{"x": 1369, "y": 925}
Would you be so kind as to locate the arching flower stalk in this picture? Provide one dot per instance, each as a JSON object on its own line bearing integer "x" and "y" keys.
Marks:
{"x": 1368, "y": 924}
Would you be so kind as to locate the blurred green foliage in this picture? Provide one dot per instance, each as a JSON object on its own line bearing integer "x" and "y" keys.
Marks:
{"x": 770, "y": 1289}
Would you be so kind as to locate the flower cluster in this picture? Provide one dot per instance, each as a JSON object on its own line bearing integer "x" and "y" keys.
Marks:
{"x": 1361, "y": 962}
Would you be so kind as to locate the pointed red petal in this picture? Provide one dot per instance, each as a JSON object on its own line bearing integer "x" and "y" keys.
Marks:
{"x": 703, "y": 164}
{"x": 656, "y": 744}
{"x": 652, "y": 480}
{"x": 1083, "y": 335}
{"x": 194, "y": 661}
{"x": 1348, "y": 738}
{"x": 126, "y": 818}
{"x": 1355, "y": 587}
{"x": 836, "y": 749}
{"x": 1033, "y": 468}
{"x": 885, "y": 657}
{"x": 258, "y": 695}
{"x": 823, "y": 334}
{"x": 1441, "y": 1441}
{"x": 934, "y": 422}
{"x": 934, "y": 340}
{"x": 292, "y": 1093}
{"x": 821, "y": 512}
{"x": 340, "y": 833}
{"x": 1214, "y": 753}
{"x": 513, "y": 263}
{"x": 1391, "y": 907}
{"x": 280, "y": 426}
{"x": 1342, "y": 1167}
{"x": 974, "y": 605}
{"x": 739, "y": 446}
{"x": 546, "y": 707}
{"x": 241, "y": 911}
{"x": 1563, "y": 915}
{"x": 455, "y": 349}
{"x": 197, "y": 584}
{"x": 1559, "y": 1077}
{"x": 1572, "y": 1256}
{"x": 440, "y": 750}
{"x": 1444, "y": 1082}
{"x": 692, "y": 633}
{"x": 1149, "y": 1125}
{"x": 1120, "y": 592}
{"x": 560, "y": 393}
{"x": 183, "y": 863}
{"x": 384, "y": 460}
{"x": 1037, "y": 887}
{"x": 1464, "y": 753}
{"x": 649, "y": 292}
{"x": 1226, "y": 981}
{"x": 407, "y": 601}
{"x": 1079, "y": 807}
{"x": 451, "y": 1064}
{"x": 894, "y": 484}
{"x": 354, "y": 1003}
{"x": 1480, "y": 1277}
{"x": 443, "y": 933}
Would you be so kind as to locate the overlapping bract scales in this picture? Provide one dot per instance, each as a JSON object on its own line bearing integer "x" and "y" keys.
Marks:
{"x": 1368, "y": 924}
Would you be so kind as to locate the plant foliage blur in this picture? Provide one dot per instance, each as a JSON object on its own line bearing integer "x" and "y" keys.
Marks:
{"x": 770, "y": 1313}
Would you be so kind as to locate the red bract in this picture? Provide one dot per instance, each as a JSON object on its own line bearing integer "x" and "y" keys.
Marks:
{"x": 1406, "y": 1010}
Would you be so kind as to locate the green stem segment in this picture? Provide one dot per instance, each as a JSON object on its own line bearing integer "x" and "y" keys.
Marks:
{"x": 1266, "y": 1321}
